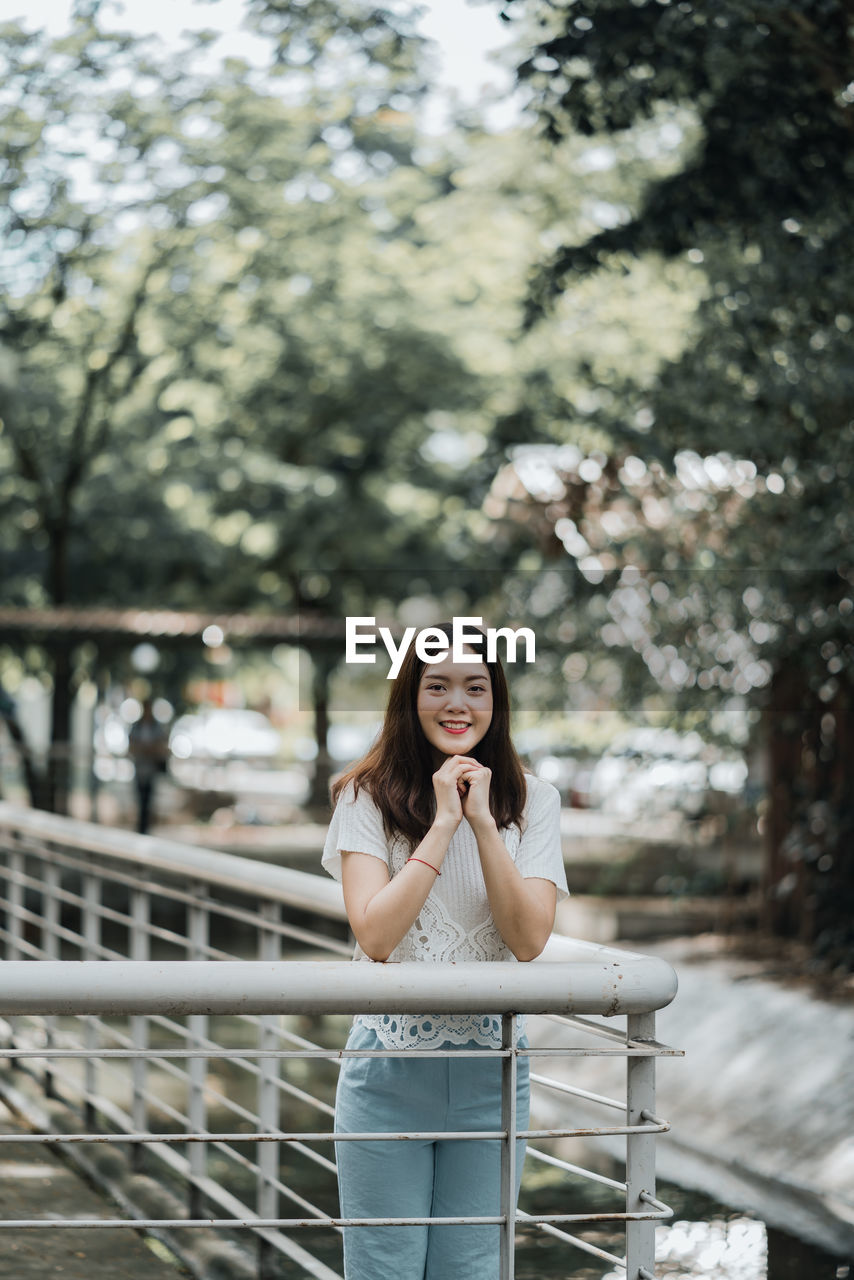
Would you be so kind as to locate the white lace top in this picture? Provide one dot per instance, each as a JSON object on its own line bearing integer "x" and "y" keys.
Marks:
{"x": 455, "y": 923}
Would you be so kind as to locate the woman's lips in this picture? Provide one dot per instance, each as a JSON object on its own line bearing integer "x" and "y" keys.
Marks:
{"x": 463, "y": 729}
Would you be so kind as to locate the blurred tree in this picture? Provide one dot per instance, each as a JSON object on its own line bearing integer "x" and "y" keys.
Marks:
{"x": 260, "y": 333}
{"x": 116, "y": 159}
{"x": 763, "y": 209}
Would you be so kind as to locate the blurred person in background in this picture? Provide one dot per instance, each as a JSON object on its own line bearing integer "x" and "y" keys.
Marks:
{"x": 149, "y": 749}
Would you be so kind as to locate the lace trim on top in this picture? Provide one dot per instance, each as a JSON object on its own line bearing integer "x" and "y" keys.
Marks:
{"x": 425, "y": 1031}
{"x": 436, "y": 936}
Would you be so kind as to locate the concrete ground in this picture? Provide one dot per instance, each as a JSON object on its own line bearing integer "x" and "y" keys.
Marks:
{"x": 35, "y": 1183}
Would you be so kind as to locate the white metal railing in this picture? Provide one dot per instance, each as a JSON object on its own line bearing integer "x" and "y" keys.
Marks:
{"x": 188, "y": 1070}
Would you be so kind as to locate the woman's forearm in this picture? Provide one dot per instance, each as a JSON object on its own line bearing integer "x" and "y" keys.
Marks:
{"x": 521, "y": 915}
{"x": 387, "y": 915}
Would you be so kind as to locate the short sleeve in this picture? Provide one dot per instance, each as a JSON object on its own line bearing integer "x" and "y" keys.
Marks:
{"x": 356, "y": 826}
{"x": 540, "y": 854}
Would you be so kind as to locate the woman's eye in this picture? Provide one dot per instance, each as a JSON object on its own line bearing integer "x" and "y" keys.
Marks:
{"x": 435, "y": 687}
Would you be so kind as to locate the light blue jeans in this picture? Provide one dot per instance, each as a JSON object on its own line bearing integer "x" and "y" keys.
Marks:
{"x": 421, "y": 1178}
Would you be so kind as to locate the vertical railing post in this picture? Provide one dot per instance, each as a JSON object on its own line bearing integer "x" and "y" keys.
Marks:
{"x": 509, "y": 1123}
{"x": 267, "y": 1195}
{"x": 640, "y": 1150}
{"x": 197, "y": 1111}
{"x": 14, "y": 925}
{"x": 15, "y": 898}
{"x": 91, "y": 951}
{"x": 50, "y": 948}
{"x": 140, "y": 947}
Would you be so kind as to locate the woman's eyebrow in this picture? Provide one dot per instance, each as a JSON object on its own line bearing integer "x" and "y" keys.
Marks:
{"x": 467, "y": 679}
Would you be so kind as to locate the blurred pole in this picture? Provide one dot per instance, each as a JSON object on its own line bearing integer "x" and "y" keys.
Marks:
{"x": 323, "y": 664}
{"x": 58, "y": 761}
{"x": 102, "y": 682}
{"x": 9, "y": 715}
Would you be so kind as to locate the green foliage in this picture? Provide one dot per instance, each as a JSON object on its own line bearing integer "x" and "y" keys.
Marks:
{"x": 175, "y": 320}
{"x": 259, "y": 334}
{"x": 733, "y": 503}
{"x": 210, "y": 359}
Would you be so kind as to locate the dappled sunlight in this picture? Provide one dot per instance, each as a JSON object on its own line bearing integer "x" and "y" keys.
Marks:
{"x": 722, "y": 1249}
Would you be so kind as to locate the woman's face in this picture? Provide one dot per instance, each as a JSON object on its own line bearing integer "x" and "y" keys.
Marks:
{"x": 454, "y": 705}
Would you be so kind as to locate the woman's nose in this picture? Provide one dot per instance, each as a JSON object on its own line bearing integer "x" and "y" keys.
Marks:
{"x": 455, "y": 700}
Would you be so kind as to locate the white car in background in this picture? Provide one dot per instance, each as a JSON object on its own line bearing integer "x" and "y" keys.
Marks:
{"x": 223, "y": 734}
{"x": 649, "y": 772}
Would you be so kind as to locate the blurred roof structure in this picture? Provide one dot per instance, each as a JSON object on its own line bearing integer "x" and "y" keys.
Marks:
{"x": 165, "y": 626}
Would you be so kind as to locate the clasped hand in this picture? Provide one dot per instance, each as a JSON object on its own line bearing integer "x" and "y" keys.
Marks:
{"x": 462, "y": 786}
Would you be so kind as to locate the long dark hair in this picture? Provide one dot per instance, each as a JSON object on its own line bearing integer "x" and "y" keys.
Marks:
{"x": 398, "y": 770}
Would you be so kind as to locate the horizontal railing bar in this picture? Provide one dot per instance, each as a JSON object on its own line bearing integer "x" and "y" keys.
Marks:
{"x": 573, "y": 1240}
{"x": 277, "y": 1135}
{"x": 570, "y": 1051}
{"x": 292, "y": 1090}
{"x": 76, "y": 939}
{"x": 571, "y": 979}
{"x": 281, "y": 1187}
{"x": 21, "y": 943}
{"x": 155, "y": 1056}
{"x": 159, "y": 1104}
{"x": 229, "y": 871}
{"x": 328, "y": 1055}
{"x": 653, "y": 1125}
{"x": 78, "y": 1090}
{"x": 561, "y": 1087}
{"x": 656, "y": 1204}
{"x": 212, "y": 1190}
{"x": 318, "y": 987}
{"x": 72, "y": 899}
{"x": 217, "y": 1141}
{"x": 170, "y": 893}
{"x": 653, "y": 1047}
{"x": 242, "y": 876}
{"x": 595, "y": 1028}
{"x": 281, "y": 1033}
{"x": 177, "y": 1029}
{"x": 234, "y": 1223}
{"x": 212, "y": 1094}
{"x": 290, "y": 1223}
{"x": 547, "y": 1158}
{"x": 328, "y": 1165}
{"x": 284, "y": 1033}
{"x": 228, "y": 1203}
{"x": 547, "y": 1218}
{"x": 214, "y": 1053}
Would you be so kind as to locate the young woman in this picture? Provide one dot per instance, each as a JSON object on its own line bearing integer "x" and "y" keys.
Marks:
{"x": 447, "y": 851}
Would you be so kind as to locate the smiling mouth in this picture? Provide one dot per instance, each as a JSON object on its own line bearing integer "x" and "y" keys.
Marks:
{"x": 451, "y": 726}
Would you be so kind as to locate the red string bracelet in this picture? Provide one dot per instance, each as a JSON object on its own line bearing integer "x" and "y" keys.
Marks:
{"x": 425, "y": 864}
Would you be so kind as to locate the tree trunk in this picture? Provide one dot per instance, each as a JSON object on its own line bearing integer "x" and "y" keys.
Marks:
{"x": 59, "y": 753}
{"x": 22, "y": 749}
{"x": 808, "y": 882}
{"x": 833, "y": 824}
{"x": 59, "y": 758}
{"x": 783, "y": 880}
{"x": 323, "y": 664}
